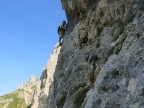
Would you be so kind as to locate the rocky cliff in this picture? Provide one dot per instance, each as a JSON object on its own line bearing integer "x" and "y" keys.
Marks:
{"x": 22, "y": 97}
{"x": 40, "y": 98}
{"x": 100, "y": 64}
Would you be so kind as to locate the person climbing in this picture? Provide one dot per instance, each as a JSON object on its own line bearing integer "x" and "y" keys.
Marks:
{"x": 61, "y": 31}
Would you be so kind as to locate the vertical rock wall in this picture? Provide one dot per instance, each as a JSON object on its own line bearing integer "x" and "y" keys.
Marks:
{"x": 100, "y": 64}
{"x": 40, "y": 98}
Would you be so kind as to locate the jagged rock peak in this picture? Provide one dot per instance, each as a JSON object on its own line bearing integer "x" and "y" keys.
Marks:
{"x": 22, "y": 97}
{"x": 33, "y": 78}
{"x": 40, "y": 99}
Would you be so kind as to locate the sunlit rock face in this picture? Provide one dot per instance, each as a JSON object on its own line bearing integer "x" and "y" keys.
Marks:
{"x": 40, "y": 98}
{"x": 22, "y": 97}
{"x": 100, "y": 63}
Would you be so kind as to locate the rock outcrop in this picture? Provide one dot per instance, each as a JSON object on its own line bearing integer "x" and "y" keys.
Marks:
{"x": 21, "y": 98}
{"x": 100, "y": 64}
{"x": 40, "y": 99}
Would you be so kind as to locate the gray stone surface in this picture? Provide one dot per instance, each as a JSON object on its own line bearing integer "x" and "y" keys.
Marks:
{"x": 100, "y": 64}
{"x": 40, "y": 98}
{"x": 120, "y": 82}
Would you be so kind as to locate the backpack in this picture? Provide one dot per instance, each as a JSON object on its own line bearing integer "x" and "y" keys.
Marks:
{"x": 58, "y": 29}
{"x": 61, "y": 27}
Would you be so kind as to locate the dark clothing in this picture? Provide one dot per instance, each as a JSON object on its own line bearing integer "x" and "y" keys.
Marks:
{"x": 61, "y": 32}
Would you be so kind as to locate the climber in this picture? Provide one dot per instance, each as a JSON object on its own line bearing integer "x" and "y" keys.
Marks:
{"x": 61, "y": 31}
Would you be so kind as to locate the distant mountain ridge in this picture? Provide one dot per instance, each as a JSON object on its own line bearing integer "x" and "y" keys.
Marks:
{"x": 22, "y": 97}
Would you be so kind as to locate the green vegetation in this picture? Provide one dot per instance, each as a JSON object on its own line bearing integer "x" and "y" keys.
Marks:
{"x": 2, "y": 105}
{"x": 129, "y": 19}
{"x": 92, "y": 77}
{"x": 118, "y": 49}
{"x": 60, "y": 102}
{"x": 99, "y": 30}
{"x": 98, "y": 43}
{"x": 73, "y": 90}
{"x": 110, "y": 22}
{"x": 29, "y": 106}
{"x": 33, "y": 87}
{"x": 61, "y": 74}
{"x": 93, "y": 58}
{"x": 84, "y": 40}
{"x": 79, "y": 97}
{"x": 28, "y": 92}
{"x": 122, "y": 28}
{"x": 17, "y": 101}
{"x": 119, "y": 46}
{"x": 22, "y": 90}
{"x": 111, "y": 51}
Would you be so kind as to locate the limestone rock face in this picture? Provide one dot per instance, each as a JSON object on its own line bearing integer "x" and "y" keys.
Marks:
{"x": 21, "y": 98}
{"x": 29, "y": 89}
{"x": 119, "y": 84}
{"x": 100, "y": 64}
{"x": 40, "y": 99}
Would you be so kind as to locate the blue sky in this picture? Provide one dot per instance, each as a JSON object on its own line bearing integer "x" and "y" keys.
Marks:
{"x": 28, "y": 33}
